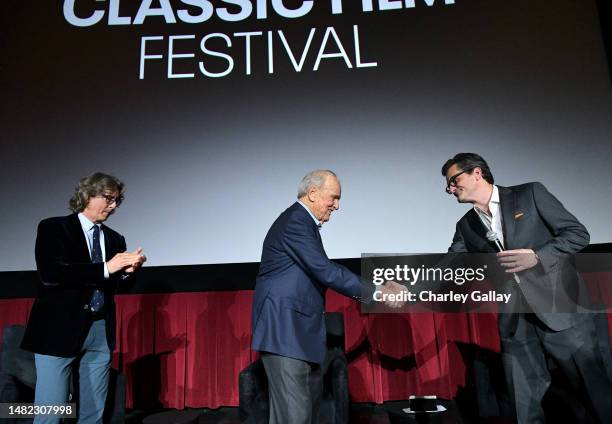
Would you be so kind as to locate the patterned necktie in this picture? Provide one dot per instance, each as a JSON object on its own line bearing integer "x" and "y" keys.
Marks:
{"x": 97, "y": 299}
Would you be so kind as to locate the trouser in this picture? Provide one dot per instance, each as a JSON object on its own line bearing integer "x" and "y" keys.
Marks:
{"x": 295, "y": 389}
{"x": 575, "y": 350}
{"x": 53, "y": 375}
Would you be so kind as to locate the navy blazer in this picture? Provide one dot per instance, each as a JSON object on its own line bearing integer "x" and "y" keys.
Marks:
{"x": 60, "y": 318}
{"x": 534, "y": 219}
{"x": 289, "y": 301}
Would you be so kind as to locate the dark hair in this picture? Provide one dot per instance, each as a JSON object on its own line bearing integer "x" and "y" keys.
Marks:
{"x": 468, "y": 162}
{"x": 93, "y": 185}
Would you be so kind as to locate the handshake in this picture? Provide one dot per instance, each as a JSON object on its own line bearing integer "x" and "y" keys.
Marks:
{"x": 392, "y": 294}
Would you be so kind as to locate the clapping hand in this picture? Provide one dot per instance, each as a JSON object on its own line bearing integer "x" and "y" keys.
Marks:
{"x": 140, "y": 260}
{"x": 126, "y": 261}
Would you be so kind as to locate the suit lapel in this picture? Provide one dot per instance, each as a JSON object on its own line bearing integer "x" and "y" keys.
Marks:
{"x": 477, "y": 224}
{"x": 107, "y": 242}
{"x": 507, "y": 200}
{"x": 479, "y": 228}
{"x": 318, "y": 231}
{"x": 76, "y": 229}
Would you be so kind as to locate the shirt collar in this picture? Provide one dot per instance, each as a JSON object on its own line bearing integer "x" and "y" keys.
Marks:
{"x": 494, "y": 195}
{"x": 493, "y": 202}
{"x": 317, "y": 223}
{"x": 85, "y": 222}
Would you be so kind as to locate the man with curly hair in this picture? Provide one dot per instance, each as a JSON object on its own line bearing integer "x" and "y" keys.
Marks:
{"x": 79, "y": 260}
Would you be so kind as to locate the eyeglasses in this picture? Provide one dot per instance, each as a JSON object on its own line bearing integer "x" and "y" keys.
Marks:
{"x": 110, "y": 199}
{"x": 452, "y": 181}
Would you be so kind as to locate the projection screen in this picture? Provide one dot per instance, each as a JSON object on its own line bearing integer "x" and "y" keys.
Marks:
{"x": 211, "y": 112}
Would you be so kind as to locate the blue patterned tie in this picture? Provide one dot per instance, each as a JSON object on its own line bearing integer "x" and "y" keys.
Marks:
{"x": 97, "y": 299}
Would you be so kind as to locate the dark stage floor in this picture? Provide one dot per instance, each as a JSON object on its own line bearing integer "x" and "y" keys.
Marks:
{"x": 388, "y": 413}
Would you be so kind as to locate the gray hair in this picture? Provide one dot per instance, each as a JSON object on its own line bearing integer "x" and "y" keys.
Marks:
{"x": 313, "y": 179}
{"x": 93, "y": 185}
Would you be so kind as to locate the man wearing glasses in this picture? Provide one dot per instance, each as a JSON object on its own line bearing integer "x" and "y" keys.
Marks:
{"x": 80, "y": 261}
{"x": 535, "y": 233}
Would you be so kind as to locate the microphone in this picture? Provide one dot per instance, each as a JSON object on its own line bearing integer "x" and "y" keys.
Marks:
{"x": 492, "y": 236}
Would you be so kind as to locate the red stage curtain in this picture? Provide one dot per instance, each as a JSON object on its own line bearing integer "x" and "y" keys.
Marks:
{"x": 13, "y": 311}
{"x": 186, "y": 349}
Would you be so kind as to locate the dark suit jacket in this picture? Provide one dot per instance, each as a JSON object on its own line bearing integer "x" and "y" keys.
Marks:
{"x": 294, "y": 274}
{"x": 552, "y": 232}
{"x": 60, "y": 318}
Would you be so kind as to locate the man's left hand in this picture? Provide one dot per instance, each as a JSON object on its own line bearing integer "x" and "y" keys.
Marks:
{"x": 517, "y": 260}
{"x": 136, "y": 265}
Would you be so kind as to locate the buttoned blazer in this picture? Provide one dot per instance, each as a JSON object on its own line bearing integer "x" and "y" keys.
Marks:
{"x": 60, "y": 317}
{"x": 289, "y": 299}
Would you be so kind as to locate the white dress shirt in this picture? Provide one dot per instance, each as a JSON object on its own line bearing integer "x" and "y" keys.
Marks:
{"x": 493, "y": 221}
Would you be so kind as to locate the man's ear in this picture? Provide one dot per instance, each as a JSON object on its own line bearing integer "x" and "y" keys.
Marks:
{"x": 477, "y": 172}
{"x": 312, "y": 194}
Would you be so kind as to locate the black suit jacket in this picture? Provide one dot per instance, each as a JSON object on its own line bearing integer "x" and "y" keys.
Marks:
{"x": 60, "y": 317}
{"x": 534, "y": 219}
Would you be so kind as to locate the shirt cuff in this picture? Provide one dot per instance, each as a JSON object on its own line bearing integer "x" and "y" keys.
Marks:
{"x": 106, "y": 273}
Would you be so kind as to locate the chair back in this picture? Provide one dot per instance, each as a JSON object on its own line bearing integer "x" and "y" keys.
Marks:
{"x": 15, "y": 361}
{"x": 334, "y": 324}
